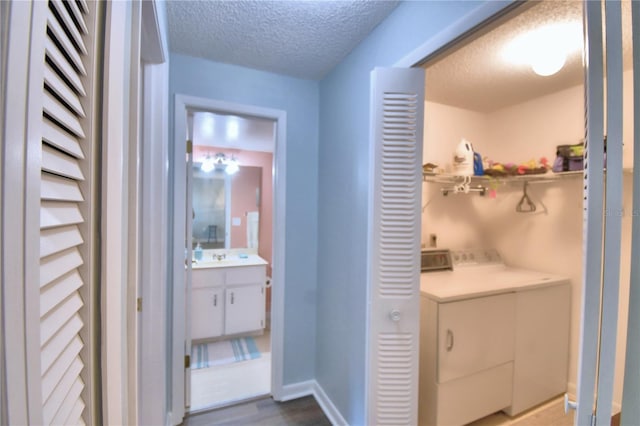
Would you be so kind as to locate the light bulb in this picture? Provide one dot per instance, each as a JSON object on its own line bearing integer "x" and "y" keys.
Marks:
{"x": 208, "y": 164}
{"x": 549, "y": 62}
{"x": 232, "y": 167}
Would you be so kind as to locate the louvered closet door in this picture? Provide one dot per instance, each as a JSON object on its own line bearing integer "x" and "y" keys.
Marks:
{"x": 64, "y": 209}
{"x": 397, "y": 97}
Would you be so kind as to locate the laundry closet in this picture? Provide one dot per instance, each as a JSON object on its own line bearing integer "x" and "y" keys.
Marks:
{"x": 503, "y": 249}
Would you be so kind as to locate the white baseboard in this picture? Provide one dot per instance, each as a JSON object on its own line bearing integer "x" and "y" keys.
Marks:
{"x": 327, "y": 406}
{"x": 297, "y": 390}
{"x": 311, "y": 387}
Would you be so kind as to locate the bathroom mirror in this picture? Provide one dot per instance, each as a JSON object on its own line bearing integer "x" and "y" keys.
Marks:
{"x": 226, "y": 208}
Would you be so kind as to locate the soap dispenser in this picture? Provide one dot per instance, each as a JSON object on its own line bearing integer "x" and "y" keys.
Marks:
{"x": 197, "y": 253}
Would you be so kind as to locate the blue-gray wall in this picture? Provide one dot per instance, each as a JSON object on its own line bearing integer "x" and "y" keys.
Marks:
{"x": 343, "y": 198}
{"x": 300, "y": 99}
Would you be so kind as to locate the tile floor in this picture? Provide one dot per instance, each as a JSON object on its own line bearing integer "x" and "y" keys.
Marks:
{"x": 223, "y": 385}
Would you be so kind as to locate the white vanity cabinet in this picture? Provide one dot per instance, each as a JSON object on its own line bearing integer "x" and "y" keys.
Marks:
{"x": 227, "y": 301}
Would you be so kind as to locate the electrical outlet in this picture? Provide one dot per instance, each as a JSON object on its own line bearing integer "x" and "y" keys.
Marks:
{"x": 433, "y": 240}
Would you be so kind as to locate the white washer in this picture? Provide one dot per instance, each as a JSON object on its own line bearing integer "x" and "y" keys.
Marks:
{"x": 493, "y": 337}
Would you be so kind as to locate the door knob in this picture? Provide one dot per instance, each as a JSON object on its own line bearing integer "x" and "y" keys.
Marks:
{"x": 394, "y": 315}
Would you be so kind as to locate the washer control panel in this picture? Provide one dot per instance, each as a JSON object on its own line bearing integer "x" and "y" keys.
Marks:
{"x": 435, "y": 260}
{"x": 475, "y": 257}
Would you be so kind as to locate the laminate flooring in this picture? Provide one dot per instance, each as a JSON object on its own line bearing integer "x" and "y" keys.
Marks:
{"x": 264, "y": 412}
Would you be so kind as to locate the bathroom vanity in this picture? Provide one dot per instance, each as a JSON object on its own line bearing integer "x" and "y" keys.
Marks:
{"x": 228, "y": 297}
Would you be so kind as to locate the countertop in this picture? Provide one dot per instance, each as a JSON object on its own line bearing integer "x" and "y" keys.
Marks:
{"x": 230, "y": 261}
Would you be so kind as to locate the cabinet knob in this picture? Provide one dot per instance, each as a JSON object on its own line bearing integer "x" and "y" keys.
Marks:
{"x": 215, "y": 300}
{"x": 394, "y": 315}
{"x": 232, "y": 298}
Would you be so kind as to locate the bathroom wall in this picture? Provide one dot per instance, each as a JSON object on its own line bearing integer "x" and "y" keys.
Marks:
{"x": 245, "y": 187}
{"x": 551, "y": 238}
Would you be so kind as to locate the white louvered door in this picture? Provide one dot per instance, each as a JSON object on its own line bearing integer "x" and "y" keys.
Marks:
{"x": 397, "y": 105}
{"x": 66, "y": 194}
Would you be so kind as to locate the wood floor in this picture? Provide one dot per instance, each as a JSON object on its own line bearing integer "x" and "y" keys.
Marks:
{"x": 303, "y": 411}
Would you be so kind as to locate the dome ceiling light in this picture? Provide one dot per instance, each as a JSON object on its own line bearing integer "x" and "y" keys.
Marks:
{"x": 545, "y": 49}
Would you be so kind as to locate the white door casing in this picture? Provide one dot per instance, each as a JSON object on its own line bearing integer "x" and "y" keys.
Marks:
{"x": 183, "y": 104}
{"x": 189, "y": 212}
{"x": 630, "y": 406}
{"x": 396, "y": 134}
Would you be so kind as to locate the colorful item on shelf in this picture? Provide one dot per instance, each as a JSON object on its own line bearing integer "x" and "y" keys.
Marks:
{"x": 569, "y": 158}
{"x": 511, "y": 169}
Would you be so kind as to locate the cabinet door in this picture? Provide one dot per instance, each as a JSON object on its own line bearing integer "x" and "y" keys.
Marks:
{"x": 244, "y": 309}
{"x": 207, "y": 312}
{"x": 474, "y": 335}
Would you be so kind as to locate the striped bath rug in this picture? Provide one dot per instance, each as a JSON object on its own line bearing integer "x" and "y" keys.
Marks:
{"x": 223, "y": 352}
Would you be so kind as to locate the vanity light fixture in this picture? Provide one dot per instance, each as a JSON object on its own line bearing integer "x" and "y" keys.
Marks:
{"x": 220, "y": 161}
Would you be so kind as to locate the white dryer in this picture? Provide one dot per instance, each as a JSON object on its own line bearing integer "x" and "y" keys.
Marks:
{"x": 493, "y": 337}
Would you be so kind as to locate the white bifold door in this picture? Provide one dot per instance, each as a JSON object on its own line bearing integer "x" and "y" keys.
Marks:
{"x": 397, "y": 108}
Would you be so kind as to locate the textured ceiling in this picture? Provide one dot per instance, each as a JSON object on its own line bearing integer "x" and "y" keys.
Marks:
{"x": 476, "y": 76}
{"x": 303, "y": 39}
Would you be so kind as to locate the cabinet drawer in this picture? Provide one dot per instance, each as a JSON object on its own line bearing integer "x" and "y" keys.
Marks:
{"x": 246, "y": 275}
{"x": 467, "y": 399}
{"x": 475, "y": 335}
{"x": 207, "y": 277}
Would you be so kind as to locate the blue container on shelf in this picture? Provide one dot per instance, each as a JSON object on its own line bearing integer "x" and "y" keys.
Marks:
{"x": 478, "y": 169}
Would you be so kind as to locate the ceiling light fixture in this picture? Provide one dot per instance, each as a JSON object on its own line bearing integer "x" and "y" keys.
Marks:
{"x": 233, "y": 128}
{"x": 545, "y": 49}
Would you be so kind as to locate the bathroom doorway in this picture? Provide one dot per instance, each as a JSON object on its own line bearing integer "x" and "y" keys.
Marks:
{"x": 233, "y": 212}
{"x": 230, "y": 189}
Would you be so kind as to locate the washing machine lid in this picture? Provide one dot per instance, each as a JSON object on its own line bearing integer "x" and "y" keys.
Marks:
{"x": 483, "y": 280}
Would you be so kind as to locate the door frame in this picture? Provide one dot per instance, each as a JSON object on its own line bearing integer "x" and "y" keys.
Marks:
{"x": 183, "y": 103}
